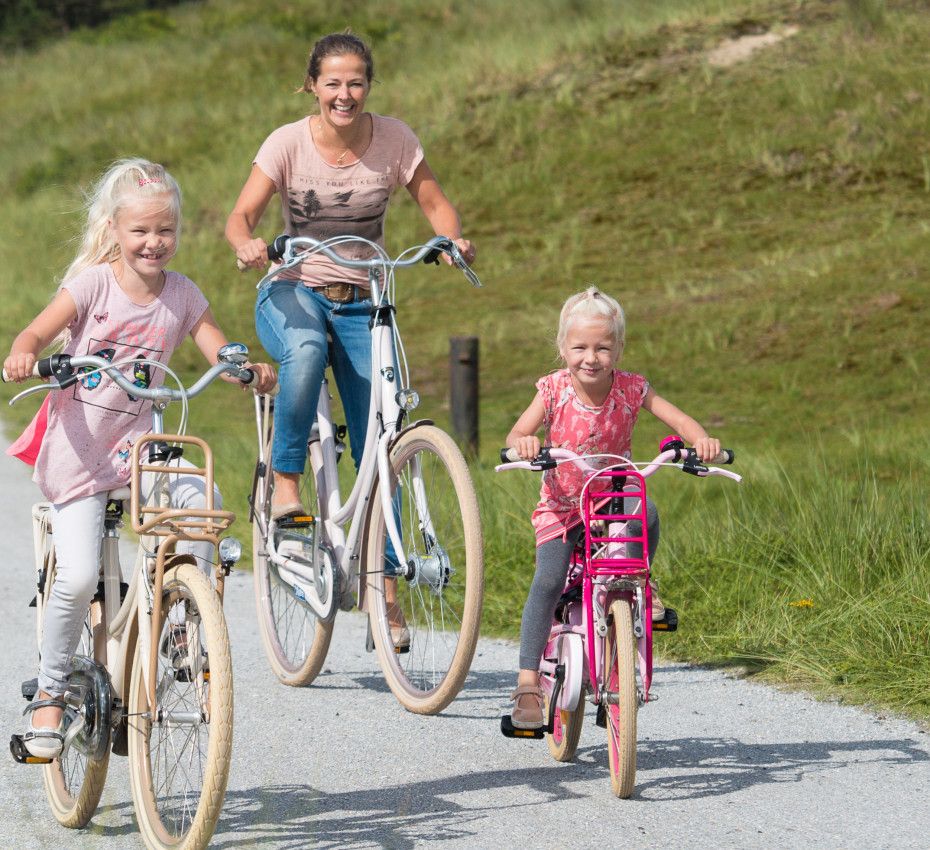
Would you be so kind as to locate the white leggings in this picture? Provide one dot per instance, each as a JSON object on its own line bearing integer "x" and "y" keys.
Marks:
{"x": 77, "y": 528}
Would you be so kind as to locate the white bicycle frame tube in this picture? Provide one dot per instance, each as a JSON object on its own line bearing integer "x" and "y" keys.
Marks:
{"x": 383, "y": 415}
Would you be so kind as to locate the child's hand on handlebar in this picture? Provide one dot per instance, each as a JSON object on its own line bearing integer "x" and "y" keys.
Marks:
{"x": 707, "y": 448}
{"x": 18, "y": 367}
{"x": 526, "y": 447}
{"x": 265, "y": 378}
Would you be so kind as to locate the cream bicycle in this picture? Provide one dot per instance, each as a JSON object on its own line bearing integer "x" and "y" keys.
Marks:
{"x": 412, "y": 518}
{"x": 152, "y": 675}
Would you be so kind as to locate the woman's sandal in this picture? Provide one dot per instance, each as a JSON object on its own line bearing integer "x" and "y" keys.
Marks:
{"x": 521, "y": 716}
{"x": 290, "y": 509}
{"x": 400, "y": 637}
{"x": 44, "y": 742}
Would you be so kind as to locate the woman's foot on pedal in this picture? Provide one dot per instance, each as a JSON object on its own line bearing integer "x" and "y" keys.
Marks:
{"x": 290, "y": 509}
{"x": 527, "y": 707}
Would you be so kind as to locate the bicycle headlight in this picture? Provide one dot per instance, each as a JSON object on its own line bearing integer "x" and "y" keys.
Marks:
{"x": 230, "y": 550}
{"x": 407, "y": 399}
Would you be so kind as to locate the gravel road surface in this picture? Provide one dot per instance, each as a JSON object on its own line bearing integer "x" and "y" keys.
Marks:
{"x": 722, "y": 762}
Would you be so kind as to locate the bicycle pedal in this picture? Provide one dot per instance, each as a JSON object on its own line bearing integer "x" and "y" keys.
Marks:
{"x": 21, "y": 755}
{"x": 669, "y": 623}
{"x": 508, "y": 730}
{"x": 29, "y": 688}
{"x": 601, "y": 719}
{"x": 369, "y": 640}
{"x": 120, "y": 745}
{"x": 297, "y": 521}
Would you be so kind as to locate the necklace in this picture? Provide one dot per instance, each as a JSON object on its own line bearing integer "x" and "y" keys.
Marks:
{"x": 318, "y": 129}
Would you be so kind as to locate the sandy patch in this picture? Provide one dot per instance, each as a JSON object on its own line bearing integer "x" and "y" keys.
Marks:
{"x": 734, "y": 50}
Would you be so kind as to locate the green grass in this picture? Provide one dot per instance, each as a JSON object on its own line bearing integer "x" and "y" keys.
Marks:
{"x": 764, "y": 226}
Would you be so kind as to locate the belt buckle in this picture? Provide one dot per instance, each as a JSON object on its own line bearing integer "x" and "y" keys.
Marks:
{"x": 341, "y": 293}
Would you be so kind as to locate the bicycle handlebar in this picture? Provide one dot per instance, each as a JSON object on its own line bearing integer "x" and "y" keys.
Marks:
{"x": 672, "y": 453}
{"x": 65, "y": 370}
{"x": 290, "y": 250}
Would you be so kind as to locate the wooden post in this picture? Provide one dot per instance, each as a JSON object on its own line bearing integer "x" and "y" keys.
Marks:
{"x": 463, "y": 390}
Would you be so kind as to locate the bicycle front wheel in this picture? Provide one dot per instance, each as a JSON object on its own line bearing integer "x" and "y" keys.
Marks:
{"x": 73, "y": 782}
{"x": 180, "y": 747}
{"x": 437, "y": 595}
{"x": 621, "y": 699}
{"x": 566, "y": 730}
{"x": 296, "y": 640}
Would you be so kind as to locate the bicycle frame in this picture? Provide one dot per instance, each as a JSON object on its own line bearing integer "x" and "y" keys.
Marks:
{"x": 385, "y": 418}
{"x": 604, "y": 571}
{"x": 160, "y": 527}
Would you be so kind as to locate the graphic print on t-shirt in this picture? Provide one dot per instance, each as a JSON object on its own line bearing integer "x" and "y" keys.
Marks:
{"x": 330, "y": 211}
{"x": 109, "y": 396}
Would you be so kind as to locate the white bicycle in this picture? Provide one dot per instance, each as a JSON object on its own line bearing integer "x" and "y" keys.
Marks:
{"x": 412, "y": 519}
{"x": 152, "y": 673}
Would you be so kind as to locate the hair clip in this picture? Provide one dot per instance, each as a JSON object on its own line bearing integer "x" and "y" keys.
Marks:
{"x": 143, "y": 181}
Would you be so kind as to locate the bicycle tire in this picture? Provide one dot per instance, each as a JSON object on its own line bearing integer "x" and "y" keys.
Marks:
{"x": 178, "y": 780}
{"x": 566, "y": 731}
{"x": 74, "y": 783}
{"x": 620, "y": 679}
{"x": 295, "y": 639}
{"x": 428, "y": 677}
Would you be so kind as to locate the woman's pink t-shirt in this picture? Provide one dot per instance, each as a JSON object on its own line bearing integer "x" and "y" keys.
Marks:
{"x": 571, "y": 424}
{"x": 93, "y": 424}
{"x": 323, "y": 200}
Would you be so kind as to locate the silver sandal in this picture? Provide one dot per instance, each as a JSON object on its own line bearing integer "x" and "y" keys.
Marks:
{"x": 44, "y": 742}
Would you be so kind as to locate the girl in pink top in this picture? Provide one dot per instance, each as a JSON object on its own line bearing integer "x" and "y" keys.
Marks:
{"x": 117, "y": 300}
{"x": 589, "y": 407}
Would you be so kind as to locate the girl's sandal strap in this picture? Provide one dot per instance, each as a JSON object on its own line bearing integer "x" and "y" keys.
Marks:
{"x": 54, "y": 702}
{"x": 523, "y": 690}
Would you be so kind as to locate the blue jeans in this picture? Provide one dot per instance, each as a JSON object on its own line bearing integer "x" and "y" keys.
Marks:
{"x": 293, "y": 322}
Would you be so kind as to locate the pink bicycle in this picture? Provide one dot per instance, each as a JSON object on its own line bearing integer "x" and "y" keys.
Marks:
{"x": 600, "y": 644}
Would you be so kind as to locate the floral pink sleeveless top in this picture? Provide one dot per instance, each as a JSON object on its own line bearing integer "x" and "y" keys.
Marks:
{"x": 571, "y": 424}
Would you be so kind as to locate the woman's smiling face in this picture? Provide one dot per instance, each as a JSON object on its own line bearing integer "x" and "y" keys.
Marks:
{"x": 341, "y": 89}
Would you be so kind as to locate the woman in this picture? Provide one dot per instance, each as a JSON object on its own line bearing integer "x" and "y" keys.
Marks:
{"x": 334, "y": 172}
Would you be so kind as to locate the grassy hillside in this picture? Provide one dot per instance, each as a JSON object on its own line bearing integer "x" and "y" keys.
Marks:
{"x": 764, "y": 225}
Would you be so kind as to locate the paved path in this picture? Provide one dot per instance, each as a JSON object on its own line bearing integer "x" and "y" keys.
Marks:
{"x": 723, "y": 763}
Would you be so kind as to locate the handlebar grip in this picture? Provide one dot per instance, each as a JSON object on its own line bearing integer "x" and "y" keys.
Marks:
{"x": 247, "y": 376}
{"x": 275, "y": 251}
{"x": 277, "y": 248}
{"x": 509, "y": 456}
{"x": 725, "y": 456}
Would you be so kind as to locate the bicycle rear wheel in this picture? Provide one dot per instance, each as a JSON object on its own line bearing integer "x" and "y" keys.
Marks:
{"x": 179, "y": 749}
{"x": 622, "y": 702}
{"x": 295, "y": 639}
{"x": 440, "y": 588}
{"x": 73, "y": 782}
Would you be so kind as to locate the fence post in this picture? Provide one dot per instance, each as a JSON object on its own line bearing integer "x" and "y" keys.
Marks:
{"x": 463, "y": 390}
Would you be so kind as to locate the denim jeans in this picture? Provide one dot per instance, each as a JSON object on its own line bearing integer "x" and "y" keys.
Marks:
{"x": 293, "y": 322}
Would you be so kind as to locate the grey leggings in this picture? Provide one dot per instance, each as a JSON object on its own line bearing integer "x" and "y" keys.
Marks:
{"x": 77, "y": 527}
{"x": 552, "y": 560}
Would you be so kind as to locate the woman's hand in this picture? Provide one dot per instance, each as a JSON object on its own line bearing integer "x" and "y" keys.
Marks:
{"x": 18, "y": 367}
{"x": 466, "y": 249}
{"x": 707, "y": 448}
{"x": 253, "y": 254}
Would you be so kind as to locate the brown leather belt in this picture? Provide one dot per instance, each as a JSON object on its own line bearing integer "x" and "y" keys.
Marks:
{"x": 342, "y": 293}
